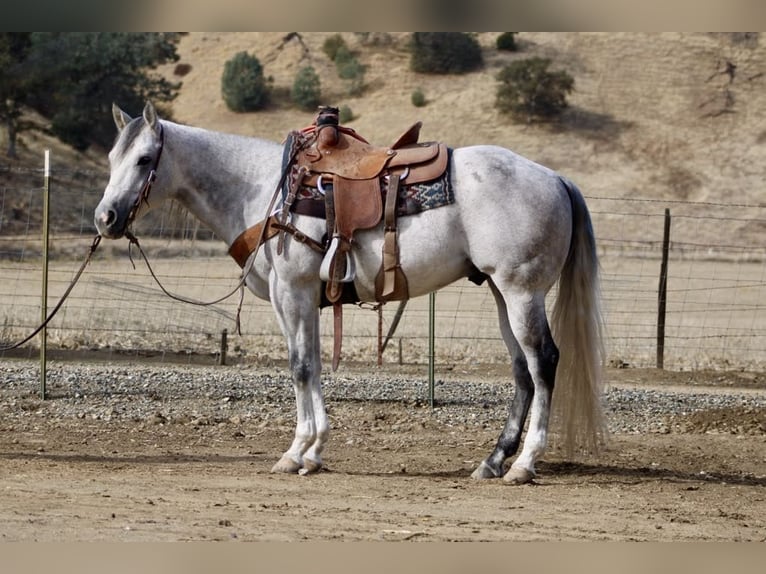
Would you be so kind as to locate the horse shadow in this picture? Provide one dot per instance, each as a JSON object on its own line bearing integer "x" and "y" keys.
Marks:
{"x": 549, "y": 473}
{"x": 557, "y": 474}
{"x": 637, "y": 474}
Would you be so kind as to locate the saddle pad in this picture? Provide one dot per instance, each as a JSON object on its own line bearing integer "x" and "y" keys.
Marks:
{"x": 411, "y": 199}
{"x": 424, "y": 196}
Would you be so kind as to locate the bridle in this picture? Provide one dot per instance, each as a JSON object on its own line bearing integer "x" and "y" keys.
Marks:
{"x": 143, "y": 195}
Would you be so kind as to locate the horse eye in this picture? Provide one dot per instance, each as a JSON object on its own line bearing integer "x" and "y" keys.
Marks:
{"x": 144, "y": 160}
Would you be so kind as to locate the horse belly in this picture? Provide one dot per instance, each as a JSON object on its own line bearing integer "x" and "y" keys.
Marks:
{"x": 432, "y": 253}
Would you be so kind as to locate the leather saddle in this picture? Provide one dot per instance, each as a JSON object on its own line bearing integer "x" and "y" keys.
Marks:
{"x": 356, "y": 179}
{"x": 360, "y": 183}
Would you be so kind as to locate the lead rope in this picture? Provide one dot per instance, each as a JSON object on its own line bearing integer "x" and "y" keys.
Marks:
{"x": 143, "y": 197}
{"x": 239, "y": 287}
{"x": 245, "y": 270}
{"x": 91, "y": 251}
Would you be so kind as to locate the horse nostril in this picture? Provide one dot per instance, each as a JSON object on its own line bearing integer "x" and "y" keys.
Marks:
{"x": 106, "y": 220}
{"x": 108, "y": 217}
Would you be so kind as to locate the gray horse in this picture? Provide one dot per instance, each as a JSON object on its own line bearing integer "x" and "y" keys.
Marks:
{"x": 519, "y": 224}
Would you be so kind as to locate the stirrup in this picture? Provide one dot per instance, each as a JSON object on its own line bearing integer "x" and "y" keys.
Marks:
{"x": 324, "y": 269}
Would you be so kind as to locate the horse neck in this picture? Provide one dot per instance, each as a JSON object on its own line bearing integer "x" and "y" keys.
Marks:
{"x": 226, "y": 181}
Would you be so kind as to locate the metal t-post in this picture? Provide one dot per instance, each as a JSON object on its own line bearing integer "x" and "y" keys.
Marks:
{"x": 662, "y": 295}
{"x": 44, "y": 302}
{"x": 431, "y": 345}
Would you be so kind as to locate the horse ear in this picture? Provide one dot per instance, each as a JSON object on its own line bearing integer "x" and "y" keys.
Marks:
{"x": 150, "y": 117}
{"x": 121, "y": 119}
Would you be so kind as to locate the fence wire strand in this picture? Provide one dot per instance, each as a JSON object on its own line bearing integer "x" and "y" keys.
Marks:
{"x": 716, "y": 308}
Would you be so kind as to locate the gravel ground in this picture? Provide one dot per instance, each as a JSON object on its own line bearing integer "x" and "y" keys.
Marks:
{"x": 204, "y": 395}
{"x": 148, "y": 452}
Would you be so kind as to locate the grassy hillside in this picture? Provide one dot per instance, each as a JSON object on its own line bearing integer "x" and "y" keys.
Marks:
{"x": 647, "y": 106}
{"x": 652, "y": 115}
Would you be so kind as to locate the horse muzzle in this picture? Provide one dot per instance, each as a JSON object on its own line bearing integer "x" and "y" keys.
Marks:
{"x": 109, "y": 222}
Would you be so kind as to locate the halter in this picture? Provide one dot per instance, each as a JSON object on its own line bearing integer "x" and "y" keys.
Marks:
{"x": 143, "y": 195}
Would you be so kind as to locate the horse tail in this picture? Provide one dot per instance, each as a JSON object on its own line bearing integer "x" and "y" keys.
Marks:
{"x": 577, "y": 326}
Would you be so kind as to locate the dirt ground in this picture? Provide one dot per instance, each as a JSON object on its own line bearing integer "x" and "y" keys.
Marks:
{"x": 393, "y": 472}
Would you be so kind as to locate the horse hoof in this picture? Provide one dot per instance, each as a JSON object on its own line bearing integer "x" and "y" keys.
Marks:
{"x": 483, "y": 472}
{"x": 310, "y": 466}
{"x": 518, "y": 476}
{"x": 286, "y": 465}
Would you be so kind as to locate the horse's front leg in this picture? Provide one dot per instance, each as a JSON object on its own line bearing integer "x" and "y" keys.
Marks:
{"x": 299, "y": 319}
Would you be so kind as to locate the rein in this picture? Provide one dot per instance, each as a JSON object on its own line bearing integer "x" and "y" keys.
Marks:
{"x": 91, "y": 251}
{"x": 248, "y": 267}
{"x": 143, "y": 197}
{"x": 239, "y": 287}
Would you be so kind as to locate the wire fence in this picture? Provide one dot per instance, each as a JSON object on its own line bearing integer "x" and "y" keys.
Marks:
{"x": 715, "y": 314}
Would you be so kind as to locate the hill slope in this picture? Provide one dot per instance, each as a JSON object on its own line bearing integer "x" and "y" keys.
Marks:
{"x": 652, "y": 115}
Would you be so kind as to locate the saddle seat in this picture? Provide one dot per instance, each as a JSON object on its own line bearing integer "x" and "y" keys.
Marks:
{"x": 349, "y": 157}
{"x": 356, "y": 172}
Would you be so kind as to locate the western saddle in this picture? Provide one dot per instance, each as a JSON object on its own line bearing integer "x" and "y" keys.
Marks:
{"x": 360, "y": 184}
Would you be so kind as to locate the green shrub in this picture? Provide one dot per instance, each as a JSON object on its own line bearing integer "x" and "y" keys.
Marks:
{"x": 506, "y": 41}
{"x": 349, "y": 68}
{"x": 343, "y": 56}
{"x": 332, "y": 44}
{"x": 307, "y": 89}
{"x": 243, "y": 86}
{"x": 345, "y": 114}
{"x": 444, "y": 53}
{"x": 418, "y": 98}
{"x": 528, "y": 89}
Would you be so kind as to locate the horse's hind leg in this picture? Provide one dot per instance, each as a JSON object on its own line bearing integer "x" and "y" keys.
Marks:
{"x": 526, "y": 315}
{"x": 508, "y": 443}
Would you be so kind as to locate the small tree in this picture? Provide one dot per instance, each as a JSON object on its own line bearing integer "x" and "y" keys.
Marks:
{"x": 14, "y": 47}
{"x": 332, "y": 44}
{"x": 528, "y": 89}
{"x": 444, "y": 53}
{"x": 243, "y": 86}
{"x": 307, "y": 89}
{"x": 418, "y": 98}
{"x": 506, "y": 41}
{"x": 351, "y": 69}
{"x": 345, "y": 114}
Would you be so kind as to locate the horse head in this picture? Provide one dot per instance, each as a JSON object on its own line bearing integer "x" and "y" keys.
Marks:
{"x": 133, "y": 163}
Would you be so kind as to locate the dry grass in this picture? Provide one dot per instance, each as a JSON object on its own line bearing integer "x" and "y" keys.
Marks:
{"x": 652, "y": 115}
{"x": 648, "y": 115}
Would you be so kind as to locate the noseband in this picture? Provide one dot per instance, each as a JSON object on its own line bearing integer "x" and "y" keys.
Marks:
{"x": 143, "y": 196}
